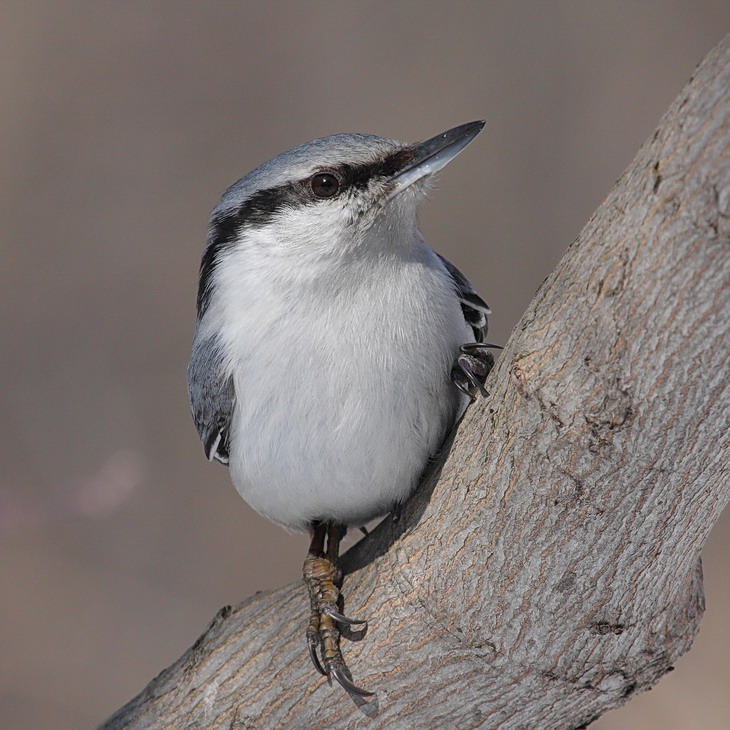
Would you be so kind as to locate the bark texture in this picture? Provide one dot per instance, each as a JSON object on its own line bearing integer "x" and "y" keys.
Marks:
{"x": 552, "y": 569}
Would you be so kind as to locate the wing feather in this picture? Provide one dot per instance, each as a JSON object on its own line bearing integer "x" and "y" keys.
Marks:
{"x": 212, "y": 398}
{"x": 475, "y": 309}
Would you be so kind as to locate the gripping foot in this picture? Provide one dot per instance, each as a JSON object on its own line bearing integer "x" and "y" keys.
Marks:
{"x": 323, "y": 578}
{"x": 471, "y": 368}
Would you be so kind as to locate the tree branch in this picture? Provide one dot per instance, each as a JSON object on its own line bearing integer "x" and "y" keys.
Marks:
{"x": 553, "y": 569}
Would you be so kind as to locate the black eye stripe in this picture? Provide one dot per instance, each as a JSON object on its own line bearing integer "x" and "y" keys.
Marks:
{"x": 262, "y": 207}
{"x": 360, "y": 175}
{"x": 258, "y": 210}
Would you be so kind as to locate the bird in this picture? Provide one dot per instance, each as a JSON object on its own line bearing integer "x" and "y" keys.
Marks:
{"x": 334, "y": 350}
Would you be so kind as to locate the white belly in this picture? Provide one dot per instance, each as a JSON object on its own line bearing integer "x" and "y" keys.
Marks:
{"x": 342, "y": 397}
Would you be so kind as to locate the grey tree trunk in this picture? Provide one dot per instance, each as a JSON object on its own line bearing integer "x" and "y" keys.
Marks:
{"x": 552, "y": 571}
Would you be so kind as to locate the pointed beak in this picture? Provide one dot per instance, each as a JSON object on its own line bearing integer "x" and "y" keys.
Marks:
{"x": 433, "y": 154}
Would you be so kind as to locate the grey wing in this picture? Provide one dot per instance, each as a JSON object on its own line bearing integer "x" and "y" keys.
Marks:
{"x": 212, "y": 398}
{"x": 475, "y": 309}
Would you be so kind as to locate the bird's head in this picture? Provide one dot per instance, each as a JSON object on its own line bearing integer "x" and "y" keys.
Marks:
{"x": 328, "y": 199}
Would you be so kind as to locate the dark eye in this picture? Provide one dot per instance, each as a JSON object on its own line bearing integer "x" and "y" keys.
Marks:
{"x": 324, "y": 185}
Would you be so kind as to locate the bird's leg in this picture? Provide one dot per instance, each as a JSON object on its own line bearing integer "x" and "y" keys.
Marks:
{"x": 316, "y": 551}
{"x": 323, "y": 578}
{"x": 471, "y": 368}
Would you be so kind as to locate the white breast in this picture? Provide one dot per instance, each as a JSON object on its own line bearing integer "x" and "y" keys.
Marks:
{"x": 342, "y": 379}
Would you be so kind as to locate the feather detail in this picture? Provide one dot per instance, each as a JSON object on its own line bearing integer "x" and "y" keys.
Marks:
{"x": 475, "y": 309}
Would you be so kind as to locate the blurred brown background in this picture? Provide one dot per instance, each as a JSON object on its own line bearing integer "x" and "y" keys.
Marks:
{"x": 121, "y": 125}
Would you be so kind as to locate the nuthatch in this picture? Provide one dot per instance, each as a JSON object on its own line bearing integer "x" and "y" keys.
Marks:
{"x": 334, "y": 350}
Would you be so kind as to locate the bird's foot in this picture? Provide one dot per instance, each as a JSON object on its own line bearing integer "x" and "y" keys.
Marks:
{"x": 326, "y": 623}
{"x": 471, "y": 368}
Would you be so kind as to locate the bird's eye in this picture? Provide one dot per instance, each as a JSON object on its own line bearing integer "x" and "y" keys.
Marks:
{"x": 324, "y": 185}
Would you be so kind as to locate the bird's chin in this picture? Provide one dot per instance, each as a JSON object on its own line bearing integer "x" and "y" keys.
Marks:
{"x": 404, "y": 201}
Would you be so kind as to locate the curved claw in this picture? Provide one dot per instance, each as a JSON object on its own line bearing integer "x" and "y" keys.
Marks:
{"x": 343, "y": 619}
{"x": 346, "y": 683}
{"x": 479, "y": 346}
{"x": 463, "y": 388}
{"x": 312, "y": 646}
{"x": 465, "y": 368}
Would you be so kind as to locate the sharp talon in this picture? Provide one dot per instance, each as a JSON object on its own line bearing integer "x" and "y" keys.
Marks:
{"x": 346, "y": 683}
{"x": 312, "y": 646}
{"x": 343, "y": 619}
{"x": 464, "y": 389}
{"x": 465, "y": 368}
{"x": 472, "y": 366}
{"x": 470, "y": 346}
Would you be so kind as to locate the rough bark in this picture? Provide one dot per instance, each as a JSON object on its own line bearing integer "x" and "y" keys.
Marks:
{"x": 552, "y": 570}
